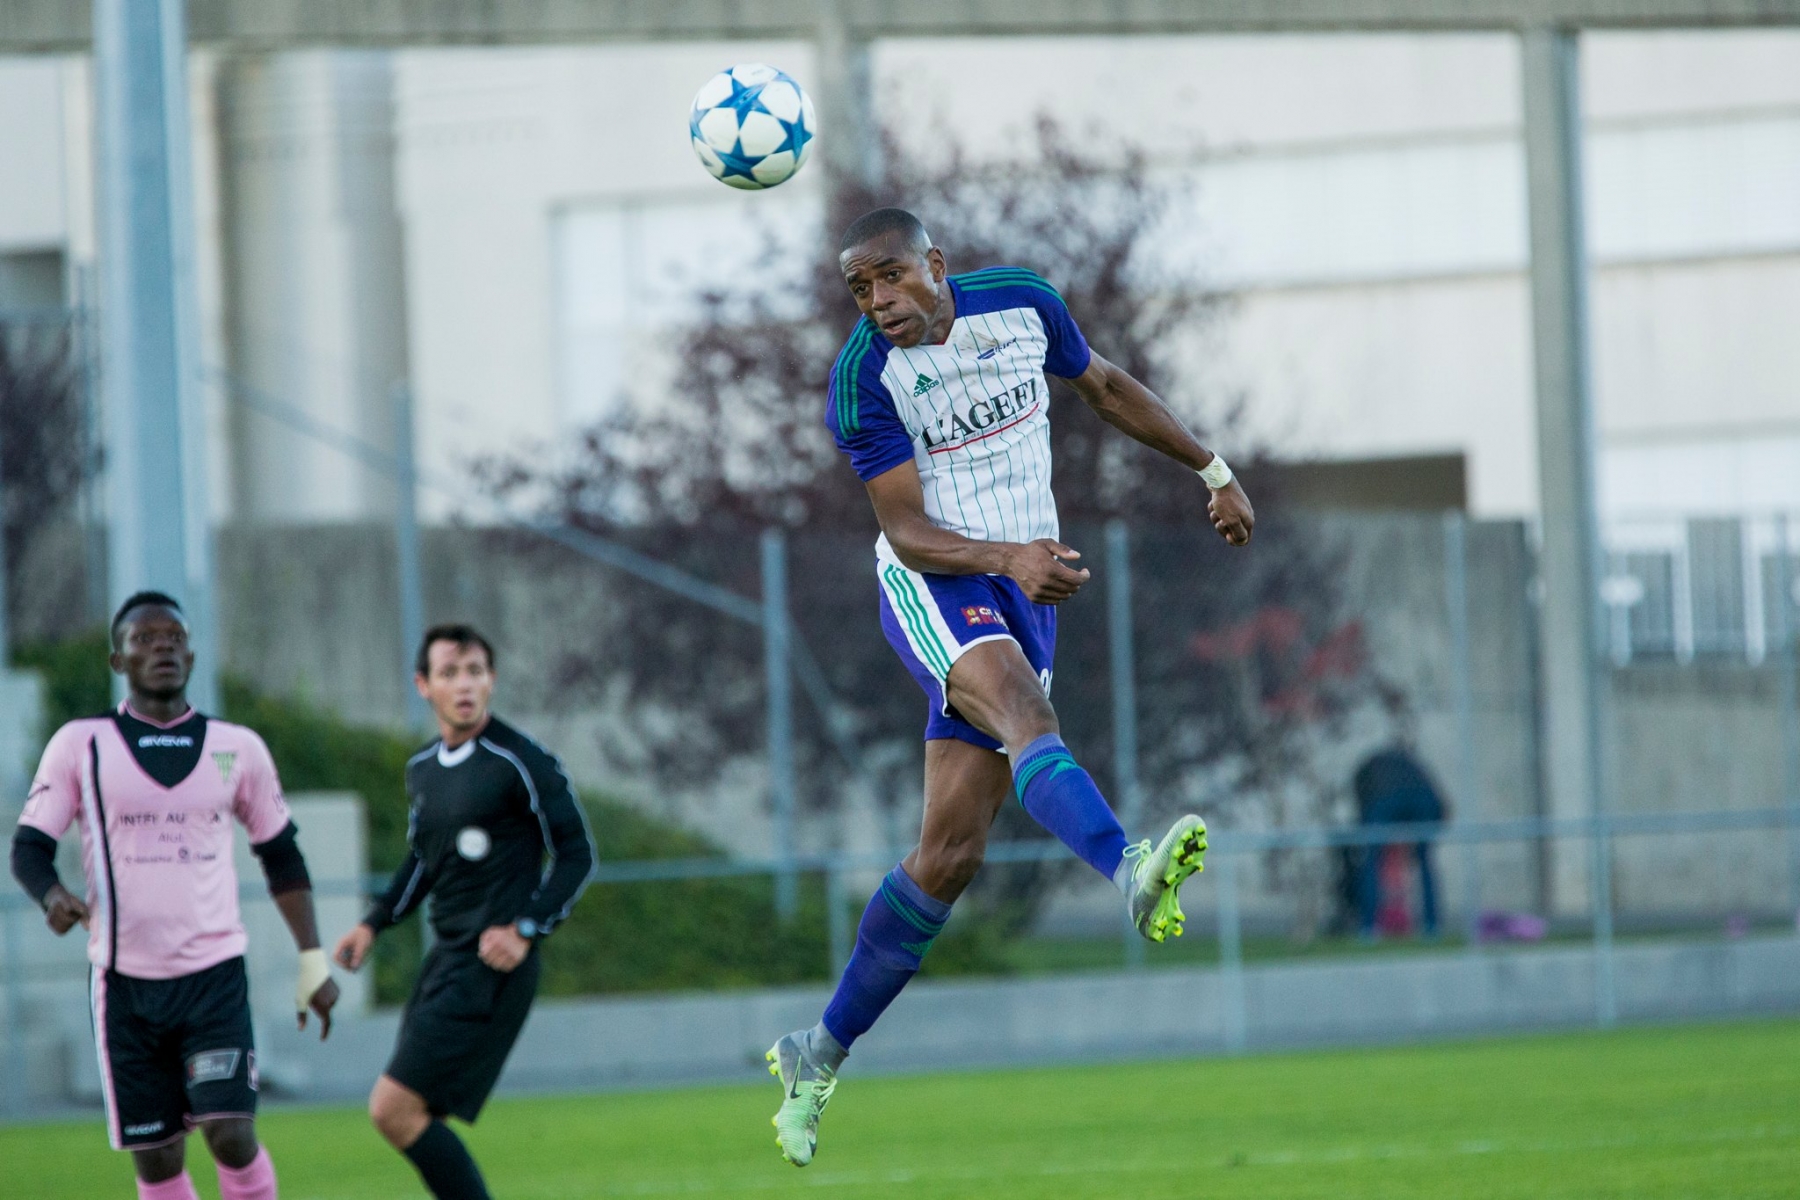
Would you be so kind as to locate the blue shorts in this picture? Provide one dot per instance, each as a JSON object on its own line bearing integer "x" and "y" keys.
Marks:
{"x": 933, "y": 620}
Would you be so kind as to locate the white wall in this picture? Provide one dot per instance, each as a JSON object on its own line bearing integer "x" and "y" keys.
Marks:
{"x": 1364, "y": 195}
{"x": 32, "y": 184}
{"x": 504, "y": 156}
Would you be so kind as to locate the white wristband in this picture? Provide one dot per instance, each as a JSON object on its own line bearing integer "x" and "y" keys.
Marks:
{"x": 314, "y": 972}
{"x": 1216, "y": 473}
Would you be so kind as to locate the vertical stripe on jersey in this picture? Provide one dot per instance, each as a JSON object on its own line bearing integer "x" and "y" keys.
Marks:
{"x": 544, "y": 826}
{"x": 1017, "y": 460}
{"x": 849, "y": 413}
{"x": 105, "y": 885}
{"x": 1041, "y": 524}
{"x": 115, "y": 1124}
{"x": 987, "y": 326}
{"x": 924, "y": 626}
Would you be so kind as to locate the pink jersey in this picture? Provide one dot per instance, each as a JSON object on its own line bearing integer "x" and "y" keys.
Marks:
{"x": 161, "y": 886}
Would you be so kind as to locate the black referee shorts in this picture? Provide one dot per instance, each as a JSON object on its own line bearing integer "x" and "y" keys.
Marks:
{"x": 458, "y": 1028}
{"x": 173, "y": 1052}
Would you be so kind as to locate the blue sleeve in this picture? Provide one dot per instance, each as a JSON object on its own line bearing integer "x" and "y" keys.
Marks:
{"x": 1068, "y": 355}
{"x": 860, "y": 413}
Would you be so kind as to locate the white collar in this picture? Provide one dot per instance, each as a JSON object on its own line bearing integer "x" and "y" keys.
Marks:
{"x": 449, "y": 758}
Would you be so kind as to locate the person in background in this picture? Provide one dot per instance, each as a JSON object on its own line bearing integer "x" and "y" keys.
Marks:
{"x": 1393, "y": 788}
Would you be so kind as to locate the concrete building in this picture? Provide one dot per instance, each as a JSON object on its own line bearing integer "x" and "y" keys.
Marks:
{"x": 516, "y": 230}
{"x": 516, "y": 233}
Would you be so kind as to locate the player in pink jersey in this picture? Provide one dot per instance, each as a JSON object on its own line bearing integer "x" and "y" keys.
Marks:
{"x": 154, "y": 787}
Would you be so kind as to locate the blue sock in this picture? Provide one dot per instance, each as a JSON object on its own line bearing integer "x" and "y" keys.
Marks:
{"x": 897, "y": 929}
{"x": 1062, "y": 798}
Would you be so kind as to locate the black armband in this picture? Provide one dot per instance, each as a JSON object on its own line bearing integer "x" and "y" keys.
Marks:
{"x": 34, "y": 862}
{"x": 282, "y": 861}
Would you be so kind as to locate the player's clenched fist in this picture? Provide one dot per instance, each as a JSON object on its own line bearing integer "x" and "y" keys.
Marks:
{"x": 353, "y": 947}
{"x": 62, "y": 911}
{"x": 1041, "y": 573}
{"x": 1231, "y": 513}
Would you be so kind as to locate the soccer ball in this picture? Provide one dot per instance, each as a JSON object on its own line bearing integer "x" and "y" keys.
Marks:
{"x": 752, "y": 126}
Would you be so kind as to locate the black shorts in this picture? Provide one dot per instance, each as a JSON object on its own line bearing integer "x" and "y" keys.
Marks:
{"x": 173, "y": 1052}
{"x": 458, "y": 1028}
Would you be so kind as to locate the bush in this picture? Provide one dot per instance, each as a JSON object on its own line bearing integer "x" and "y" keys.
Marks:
{"x": 638, "y": 937}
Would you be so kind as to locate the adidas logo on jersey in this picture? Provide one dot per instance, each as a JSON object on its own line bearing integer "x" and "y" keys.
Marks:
{"x": 924, "y": 384}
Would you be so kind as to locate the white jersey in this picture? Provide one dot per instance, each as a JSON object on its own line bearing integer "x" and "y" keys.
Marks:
{"x": 972, "y": 413}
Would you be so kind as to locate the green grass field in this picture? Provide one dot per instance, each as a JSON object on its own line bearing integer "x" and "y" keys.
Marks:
{"x": 1695, "y": 1111}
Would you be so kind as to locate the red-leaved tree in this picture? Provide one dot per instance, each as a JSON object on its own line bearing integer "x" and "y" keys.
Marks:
{"x": 1241, "y": 655}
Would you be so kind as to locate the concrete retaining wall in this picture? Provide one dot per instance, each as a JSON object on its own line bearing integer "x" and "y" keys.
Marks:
{"x": 571, "y": 1045}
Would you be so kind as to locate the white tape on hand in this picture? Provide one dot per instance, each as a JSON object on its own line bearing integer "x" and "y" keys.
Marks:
{"x": 1216, "y": 473}
{"x": 314, "y": 971}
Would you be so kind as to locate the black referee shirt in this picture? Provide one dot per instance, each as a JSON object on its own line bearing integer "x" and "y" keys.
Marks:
{"x": 495, "y": 835}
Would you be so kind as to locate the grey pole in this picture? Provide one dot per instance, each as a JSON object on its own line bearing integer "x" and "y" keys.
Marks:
{"x": 1232, "y": 1001}
{"x": 86, "y": 324}
{"x": 781, "y": 716}
{"x": 1462, "y": 670}
{"x": 1129, "y": 796}
{"x": 839, "y": 931}
{"x": 1572, "y": 628}
{"x": 1786, "y": 653}
{"x": 406, "y": 547}
{"x": 158, "y": 518}
{"x": 850, "y": 137}
{"x": 18, "y": 1092}
{"x": 5, "y": 632}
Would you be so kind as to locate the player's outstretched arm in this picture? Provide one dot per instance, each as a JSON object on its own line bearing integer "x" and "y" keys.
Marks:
{"x": 1037, "y": 567}
{"x": 1134, "y": 409}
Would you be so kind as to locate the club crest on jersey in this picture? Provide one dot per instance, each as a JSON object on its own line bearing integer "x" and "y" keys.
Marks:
{"x": 923, "y": 384}
{"x": 225, "y": 760}
{"x": 981, "y": 418}
{"x": 981, "y": 614}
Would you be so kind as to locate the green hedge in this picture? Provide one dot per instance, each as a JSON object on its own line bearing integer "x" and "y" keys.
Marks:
{"x": 707, "y": 933}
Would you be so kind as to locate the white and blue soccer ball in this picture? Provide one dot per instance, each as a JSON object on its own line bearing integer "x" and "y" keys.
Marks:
{"x": 752, "y": 126}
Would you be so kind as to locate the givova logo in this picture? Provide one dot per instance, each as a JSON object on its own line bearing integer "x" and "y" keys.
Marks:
{"x": 980, "y": 418}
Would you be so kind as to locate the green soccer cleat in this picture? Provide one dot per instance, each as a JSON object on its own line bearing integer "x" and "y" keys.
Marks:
{"x": 1157, "y": 876}
{"x": 806, "y": 1089}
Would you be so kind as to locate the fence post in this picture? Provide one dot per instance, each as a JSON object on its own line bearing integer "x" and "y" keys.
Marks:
{"x": 781, "y": 717}
{"x": 1462, "y": 671}
{"x": 17, "y": 1096}
{"x": 5, "y": 633}
{"x": 1231, "y": 955}
{"x": 1787, "y": 661}
{"x": 837, "y": 918}
{"x": 406, "y": 548}
{"x": 1129, "y": 797}
{"x": 86, "y": 324}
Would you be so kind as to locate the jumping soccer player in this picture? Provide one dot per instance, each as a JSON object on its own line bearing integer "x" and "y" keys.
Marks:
{"x": 939, "y": 400}
{"x": 155, "y": 786}
{"x": 488, "y": 805}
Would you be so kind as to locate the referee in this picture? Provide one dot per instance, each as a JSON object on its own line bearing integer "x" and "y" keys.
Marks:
{"x": 489, "y": 807}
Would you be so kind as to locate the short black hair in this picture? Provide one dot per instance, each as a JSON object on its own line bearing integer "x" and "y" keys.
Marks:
{"x": 463, "y": 635}
{"x": 139, "y": 600}
{"x": 882, "y": 222}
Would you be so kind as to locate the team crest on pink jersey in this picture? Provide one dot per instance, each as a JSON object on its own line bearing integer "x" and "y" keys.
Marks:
{"x": 225, "y": 759}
